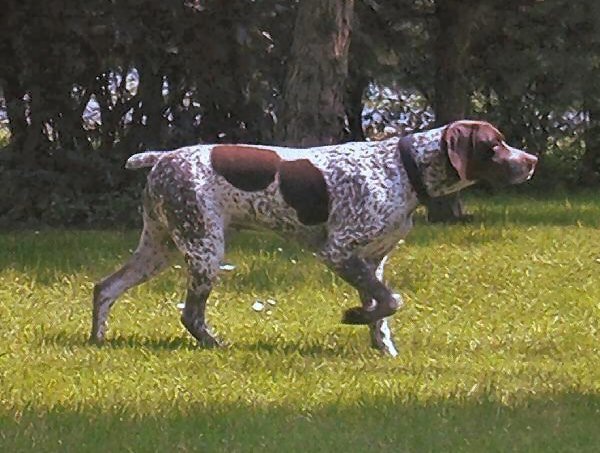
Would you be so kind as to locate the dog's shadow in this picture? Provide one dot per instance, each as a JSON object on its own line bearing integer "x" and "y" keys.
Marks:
{"x": 287, "y": 347}
{"x": 298, "y": 347}
{"x": 119, "y": 341}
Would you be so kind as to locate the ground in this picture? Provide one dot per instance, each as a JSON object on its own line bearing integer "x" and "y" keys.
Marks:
{"x": 498, "y": 341}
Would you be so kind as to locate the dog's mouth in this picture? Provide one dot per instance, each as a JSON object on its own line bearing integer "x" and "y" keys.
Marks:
{"x": 522, "y": 167}
{"x": 511, "y": 176}
{"x": 530, "y": 174}
{"x": 524, "y": 175}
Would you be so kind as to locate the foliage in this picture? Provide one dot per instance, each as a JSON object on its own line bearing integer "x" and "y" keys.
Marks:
{"x": 194, "y": 60}
{"x": 209, "y": 71}
{"x": 498, "y": 344}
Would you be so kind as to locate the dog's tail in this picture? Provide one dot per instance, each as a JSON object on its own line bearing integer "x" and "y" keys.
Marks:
{"x": 146, "y": 159}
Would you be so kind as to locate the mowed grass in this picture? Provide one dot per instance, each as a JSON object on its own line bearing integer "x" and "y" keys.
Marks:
{"x": 499, "y": 344}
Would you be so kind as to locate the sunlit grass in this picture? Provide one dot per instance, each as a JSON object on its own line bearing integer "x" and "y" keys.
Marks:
{"x": 499, "y": 344}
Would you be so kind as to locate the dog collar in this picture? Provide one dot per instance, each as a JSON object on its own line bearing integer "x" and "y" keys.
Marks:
{"x": 412, "y": 170}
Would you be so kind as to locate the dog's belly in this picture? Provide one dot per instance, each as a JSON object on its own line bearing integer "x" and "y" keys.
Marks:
{"x": 267, "y": 210}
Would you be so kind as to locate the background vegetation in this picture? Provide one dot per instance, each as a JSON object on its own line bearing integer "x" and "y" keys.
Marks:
{"x": 86, "y": 85}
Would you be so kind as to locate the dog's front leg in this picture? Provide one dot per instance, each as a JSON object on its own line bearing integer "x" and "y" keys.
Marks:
{"x": 382, "y": 339}
{"x": 361, "y": 275}
{"x": 381, "y": 334}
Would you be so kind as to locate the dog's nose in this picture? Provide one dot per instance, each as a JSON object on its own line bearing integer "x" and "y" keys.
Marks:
{"x": 531, "y": 159}
{"x": 530, "y": 163}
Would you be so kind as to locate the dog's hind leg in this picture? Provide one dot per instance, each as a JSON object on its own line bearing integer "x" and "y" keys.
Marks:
{"x": 203, "y": 252}
{"x": 193, "y": 218}
{"x": 153, "y": 254}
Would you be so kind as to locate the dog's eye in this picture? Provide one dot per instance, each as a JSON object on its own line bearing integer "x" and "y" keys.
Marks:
{"x": 491, "y": 151}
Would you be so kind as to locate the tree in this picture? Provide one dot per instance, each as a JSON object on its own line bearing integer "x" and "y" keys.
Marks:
{"x": 456, "y": 21}
{"x": 312, "y": 111}
{"x": 586, "y": 31}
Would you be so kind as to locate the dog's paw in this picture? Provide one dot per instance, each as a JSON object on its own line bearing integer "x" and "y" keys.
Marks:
{"x": 208, "y": 341}
{"x": 202, "y": 333}
{"x": 96, "y": 338}
{"x": 356, "y": 316}
{"x": 96, "y": 342}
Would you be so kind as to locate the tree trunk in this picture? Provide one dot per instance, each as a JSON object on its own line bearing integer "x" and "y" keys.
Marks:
{"x": 150, "y": 89}
{"x": 589, "y": 168}
{"x": 15, "y": 110}
{"x": 456, "y": 20}
{"x": 36, "y": 140}
{"x": 10, "y": 72}
{"x": 355, "y": 88}
{"x": 230, "y": 112}
{"x": 313, "y": 111}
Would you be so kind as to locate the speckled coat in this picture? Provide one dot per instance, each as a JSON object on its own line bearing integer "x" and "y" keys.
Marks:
{"x": 349, "y": 203}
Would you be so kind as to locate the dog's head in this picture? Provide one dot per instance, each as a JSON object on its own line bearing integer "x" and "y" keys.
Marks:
{"x": 478, "y": 152}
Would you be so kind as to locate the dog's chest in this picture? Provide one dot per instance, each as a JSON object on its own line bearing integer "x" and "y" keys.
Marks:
{"x": 387, "y": 239}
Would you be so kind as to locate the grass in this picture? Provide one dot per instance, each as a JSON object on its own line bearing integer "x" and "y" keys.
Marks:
{"x": 499, "y": 344}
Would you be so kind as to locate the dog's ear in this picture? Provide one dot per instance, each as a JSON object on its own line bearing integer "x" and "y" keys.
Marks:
{"x": 459, "y": 141}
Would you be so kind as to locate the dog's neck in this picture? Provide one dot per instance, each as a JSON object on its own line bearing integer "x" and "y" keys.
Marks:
{"x": 431, "y": 158}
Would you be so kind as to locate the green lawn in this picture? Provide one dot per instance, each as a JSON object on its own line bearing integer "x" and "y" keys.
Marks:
{"x": 499, "y": 344}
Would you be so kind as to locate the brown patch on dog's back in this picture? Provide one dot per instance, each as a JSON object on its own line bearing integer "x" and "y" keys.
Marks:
{"x": 245, "y": 167}
{"x": 303, "y": 187}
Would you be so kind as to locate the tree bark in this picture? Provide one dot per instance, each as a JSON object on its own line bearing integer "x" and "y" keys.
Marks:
{"x": 589, "y": 168}
{"x": 15, "y": 110}
{"x": 354, "y": 107}
{"x": 36, "y": 139}
{"x": 313, "y": 111}
{"x": 456, "y": 20}
{"x": 150, "y": 89}
{"x": 357, "y": 81}
{"x": 10, "y": 71}
{"x": 231, "y": 110}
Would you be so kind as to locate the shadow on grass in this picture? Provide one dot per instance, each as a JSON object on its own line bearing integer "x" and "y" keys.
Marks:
{"x": 555, "y": 209}
{"x": 300, "y": 347}
{"x": 565, "y": 422}
{"x": 68, "y": 339}
{"x": 96, "y": 253}
{"x": 48, "y": 255}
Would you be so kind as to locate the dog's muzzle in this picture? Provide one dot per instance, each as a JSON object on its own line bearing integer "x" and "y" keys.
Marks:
{"x": 523, "y": 165}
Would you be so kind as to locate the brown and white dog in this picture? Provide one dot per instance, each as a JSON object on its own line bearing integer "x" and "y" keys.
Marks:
{"x": 349, "y": 203}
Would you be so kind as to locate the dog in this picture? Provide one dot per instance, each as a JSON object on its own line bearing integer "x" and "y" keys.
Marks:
{"x": 349, "y": 203}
